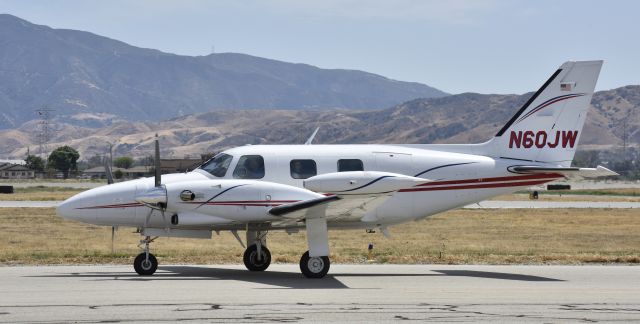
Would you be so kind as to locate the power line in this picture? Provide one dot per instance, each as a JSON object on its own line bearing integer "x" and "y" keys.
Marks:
{"x": 44, "y": 130}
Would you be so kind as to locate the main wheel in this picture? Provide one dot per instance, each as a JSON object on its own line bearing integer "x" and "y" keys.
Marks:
{"x": 143, "y": 266}
{"x": 316, "y": 267}
{"x": 251, "y": 260}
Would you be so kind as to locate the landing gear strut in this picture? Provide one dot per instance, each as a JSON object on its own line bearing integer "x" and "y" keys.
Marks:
{"x": 257, "y": 261}
{"x": 146, "y": 263}
{"x": 257, "y": 257}
{"x": 316, "y": 267}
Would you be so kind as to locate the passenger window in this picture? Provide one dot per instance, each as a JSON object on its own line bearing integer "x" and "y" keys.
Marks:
{"x": 350, "y": 165}
{"x": 302, "y": 169}
{"x": 249, "y": 167}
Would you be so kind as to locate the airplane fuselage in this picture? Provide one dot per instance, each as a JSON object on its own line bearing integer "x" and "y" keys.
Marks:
{"x": 458, "y": 179}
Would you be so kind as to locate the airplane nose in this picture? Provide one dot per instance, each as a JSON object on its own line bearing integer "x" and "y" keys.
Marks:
{"x": 72, "y": 207}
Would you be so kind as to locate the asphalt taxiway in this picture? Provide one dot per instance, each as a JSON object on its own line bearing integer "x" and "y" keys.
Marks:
{"x": 363, "y": 293}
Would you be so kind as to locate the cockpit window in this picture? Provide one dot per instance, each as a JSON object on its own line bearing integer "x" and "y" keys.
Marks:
{"x": 218, "y": 165}
{"x": 249, "y": 167}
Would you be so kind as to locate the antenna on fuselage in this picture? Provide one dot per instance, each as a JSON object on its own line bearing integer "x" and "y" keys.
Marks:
{"x": 313, "y": 135}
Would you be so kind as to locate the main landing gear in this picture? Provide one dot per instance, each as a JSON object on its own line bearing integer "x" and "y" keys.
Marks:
{"x": 257, "y": 257}
{"x": 257, "y": 261}
{"x": 145, "y": 263}
{"x": 316, "y": 267}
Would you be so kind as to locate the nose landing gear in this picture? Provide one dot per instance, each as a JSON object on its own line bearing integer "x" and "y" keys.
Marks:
{"x": 257, "y": 257}
{"x": 146, "y": 263}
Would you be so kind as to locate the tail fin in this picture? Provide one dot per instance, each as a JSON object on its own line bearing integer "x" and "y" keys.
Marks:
{"x": 547, "y": 128}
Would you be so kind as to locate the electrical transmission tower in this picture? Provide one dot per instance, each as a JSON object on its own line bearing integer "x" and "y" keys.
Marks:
{"x": 44, "y": 130}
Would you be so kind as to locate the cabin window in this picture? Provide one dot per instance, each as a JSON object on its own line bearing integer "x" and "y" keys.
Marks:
{"x": 249, "y": 167}
{"x": 302, "y": 169}
{"x": 350, "y": 165}
{"x": 218, "y": 165}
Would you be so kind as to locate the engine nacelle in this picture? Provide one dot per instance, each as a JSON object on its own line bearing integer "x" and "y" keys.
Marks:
{"x": 361, "y": 182}
{"x": 196, "y": 219}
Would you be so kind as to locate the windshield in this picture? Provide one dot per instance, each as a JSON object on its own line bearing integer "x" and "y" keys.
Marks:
{"x": 218, "y": 165}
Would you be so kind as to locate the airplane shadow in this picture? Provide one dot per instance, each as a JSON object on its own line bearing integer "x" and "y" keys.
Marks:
{"x": 288, "y": 280}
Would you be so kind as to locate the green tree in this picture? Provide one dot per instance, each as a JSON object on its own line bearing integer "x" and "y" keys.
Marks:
{"x": 118, "y": 174}
{"x": 34, "y": 163}
{"x": 144, "y": 161}
{"x": 64, "y": 159}
{"x": 124, "y": 162}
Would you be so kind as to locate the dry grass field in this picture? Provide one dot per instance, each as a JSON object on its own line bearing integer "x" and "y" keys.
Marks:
{"x": 564, "y": 236}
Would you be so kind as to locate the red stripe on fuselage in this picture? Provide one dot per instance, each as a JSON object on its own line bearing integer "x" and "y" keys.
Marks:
{"x": 479, "y": 186}
{"x": 496, "y": 179}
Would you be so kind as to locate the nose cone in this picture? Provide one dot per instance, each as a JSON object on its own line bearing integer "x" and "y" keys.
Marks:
{"x": 75, "y": 208}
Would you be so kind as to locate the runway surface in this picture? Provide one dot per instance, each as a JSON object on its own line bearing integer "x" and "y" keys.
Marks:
{"x": 364, "y": 293}
{"x": 488, "y": 204}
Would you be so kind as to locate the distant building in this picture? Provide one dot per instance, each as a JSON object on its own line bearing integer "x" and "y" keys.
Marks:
{"x": 166, "y": 166}
{"x": 131, "y": 173}
{"x": 16, "y": 171}
{"x": 97, "y": 172}
{"x": 138, "y": 171}
{"x": 178, "y": 165}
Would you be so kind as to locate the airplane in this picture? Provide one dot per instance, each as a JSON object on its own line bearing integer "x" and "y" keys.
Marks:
{"x": 261, "y": 188}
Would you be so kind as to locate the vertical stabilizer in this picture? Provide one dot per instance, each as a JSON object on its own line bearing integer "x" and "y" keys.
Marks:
{"x": 548, "y": 126}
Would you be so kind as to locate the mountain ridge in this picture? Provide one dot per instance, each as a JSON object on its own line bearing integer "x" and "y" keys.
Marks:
{"x": 463, "y": 118}
{"x": 81, "y": 73}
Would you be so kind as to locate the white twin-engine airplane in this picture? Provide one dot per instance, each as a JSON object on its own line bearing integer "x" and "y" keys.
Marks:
{"x": 315, "y": 187}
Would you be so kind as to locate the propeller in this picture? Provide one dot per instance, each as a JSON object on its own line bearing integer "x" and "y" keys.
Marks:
{"x": 107, "y": 171}
{"x": 157, "y": 164}
{"x": 156, "y": 197}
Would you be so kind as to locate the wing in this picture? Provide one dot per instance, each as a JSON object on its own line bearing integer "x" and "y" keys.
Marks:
{"x": 349, "y": 196}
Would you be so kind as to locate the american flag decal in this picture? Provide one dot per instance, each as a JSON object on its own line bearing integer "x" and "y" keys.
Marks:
{"x": 566, "y": 86}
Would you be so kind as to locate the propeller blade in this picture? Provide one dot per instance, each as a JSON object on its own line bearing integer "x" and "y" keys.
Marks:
{"x": 113, "y": 235}
{"x": 107, "y": 171}
{"x": 158, "y": 179}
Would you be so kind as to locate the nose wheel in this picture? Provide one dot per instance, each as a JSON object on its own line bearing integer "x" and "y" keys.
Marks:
{"x": 145, "y": 263}
{"x": 257, "y": 258}
{"x": 314, "y": 267}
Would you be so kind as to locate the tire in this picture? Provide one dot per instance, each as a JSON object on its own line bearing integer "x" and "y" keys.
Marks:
{"x": 316, "y": 267}
{"x": 250, "y": 258}
{"x": 143, "y": 267}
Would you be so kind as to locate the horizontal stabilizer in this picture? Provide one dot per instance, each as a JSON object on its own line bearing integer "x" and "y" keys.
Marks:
{"x": 599, "y": 171}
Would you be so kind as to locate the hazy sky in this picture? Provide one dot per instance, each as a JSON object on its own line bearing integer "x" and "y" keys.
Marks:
{"x": 456, "y": 46}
